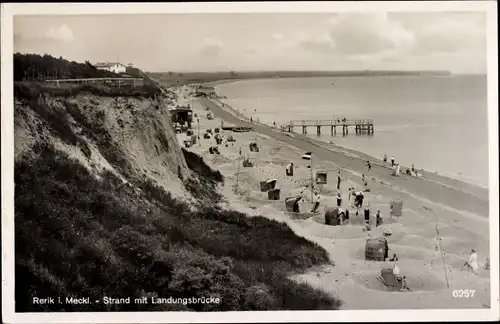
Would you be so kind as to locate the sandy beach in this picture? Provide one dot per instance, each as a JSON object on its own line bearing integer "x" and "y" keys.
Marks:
{"x": 458, "y": 209}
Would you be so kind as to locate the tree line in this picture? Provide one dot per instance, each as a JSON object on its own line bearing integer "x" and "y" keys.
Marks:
{"x": 34, "y": 67}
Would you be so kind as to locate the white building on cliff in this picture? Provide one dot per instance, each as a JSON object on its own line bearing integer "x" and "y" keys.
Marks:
{"x": 112, "y": 67}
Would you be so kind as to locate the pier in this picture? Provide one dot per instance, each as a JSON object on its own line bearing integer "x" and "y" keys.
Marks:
{"x": 361, "y": 126}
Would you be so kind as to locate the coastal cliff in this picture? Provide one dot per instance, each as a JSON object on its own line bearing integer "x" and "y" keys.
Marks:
{"x": 107, "y": 204}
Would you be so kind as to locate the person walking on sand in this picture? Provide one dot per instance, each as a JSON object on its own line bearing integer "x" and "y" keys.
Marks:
{"x": 392, "y": 160}
{"x": 404, "y": 284}
{"x": 367, "y": 213}
{"x": 339, "y": 199}
{"x": 385, "y": 159}
{"x": 316, "y": 203}
{"x": 251, "y": 119}
{"x": 369, "y": 165}
{"x": 472, "y": 262}
{"x": 365, "y": 183}
{"x": 378, "y": 219}
{"x": 338, "y": 181}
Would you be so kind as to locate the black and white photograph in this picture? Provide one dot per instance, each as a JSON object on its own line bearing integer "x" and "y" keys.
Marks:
{"x": 276, "y": 158}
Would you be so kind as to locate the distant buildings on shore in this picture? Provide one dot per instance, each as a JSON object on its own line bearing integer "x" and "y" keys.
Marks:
{"x": 205, "y": 91}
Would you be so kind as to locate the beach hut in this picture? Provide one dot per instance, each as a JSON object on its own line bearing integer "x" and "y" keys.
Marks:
{"x": 376, "y": 249}
{"x": 332, "y": 216}
{"x": 247, "y": 163}
{"x": 206, "y": 136}
{"x": 253, "y": 147}
{"x": 218, "y": 139}
{"x": 292, "y": 204}
{"x": 214, "y": 150}
{"x": 321, "y": 177}
{"x": 389, "y": 279}
{"x": 267, "y": 185}
{"x": 217, "y": 130}
{"x": 193, "y": 139}
{"x": 273, "y": 194}
{"x": 396, "y": 208}
{"x": 230, "y": 138}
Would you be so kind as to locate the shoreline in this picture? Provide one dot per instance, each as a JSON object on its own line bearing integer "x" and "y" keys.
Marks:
{"x": 433, "y": 186}
{"x": 430, "y": 176}
{"x": 425, "y": 172}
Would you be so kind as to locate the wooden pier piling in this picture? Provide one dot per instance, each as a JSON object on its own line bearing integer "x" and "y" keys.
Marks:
{"x": 361, "y": 126}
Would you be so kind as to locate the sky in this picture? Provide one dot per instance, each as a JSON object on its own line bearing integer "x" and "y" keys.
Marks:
{"x": 454, "y": 41}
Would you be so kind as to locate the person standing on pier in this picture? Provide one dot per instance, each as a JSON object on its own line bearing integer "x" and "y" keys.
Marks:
{"x": 392, "y": 160}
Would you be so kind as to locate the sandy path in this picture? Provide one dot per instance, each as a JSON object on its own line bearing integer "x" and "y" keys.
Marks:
{"x": 352, "y": 278}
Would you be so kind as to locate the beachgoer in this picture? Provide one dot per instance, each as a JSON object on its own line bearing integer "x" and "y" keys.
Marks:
{"x": 385, "y": 158}
{"x": 289, "y": 169}
{"x": 251, "y": 119}
{"x": 341, "y": 216}
{"x": 392, "y": 160}
{"x": 356, "y": 198}
{"x": 396, "y": 271}
{"x": 367, "y": 213}
{"x": 394, "y": 258}
{"x": 339, "y": 199}
{"x": 472, "y": 262}
{"x": 413, "y": 168}
{"x": 487, "y": 264}
{"x": 274, "y": 124}
{"x": 360, "y": 196}
{"x": 404, "y": 283}
{"x": 378, "y": 219}
{"x": 369, "y": 165}
{"x": 408, "y": 172}
{"x": 338, "y": 181}
{"x": 296, "y": 206}
{"x": 316, "y": 203}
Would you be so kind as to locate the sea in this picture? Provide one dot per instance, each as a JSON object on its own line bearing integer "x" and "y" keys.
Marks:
{"x": 437, "y": 123}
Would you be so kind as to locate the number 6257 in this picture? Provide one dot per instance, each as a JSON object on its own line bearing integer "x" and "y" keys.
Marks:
{"x": 463, "y": 293}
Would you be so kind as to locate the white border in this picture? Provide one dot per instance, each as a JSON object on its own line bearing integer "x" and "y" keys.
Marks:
{"x": 7, "y": 12}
